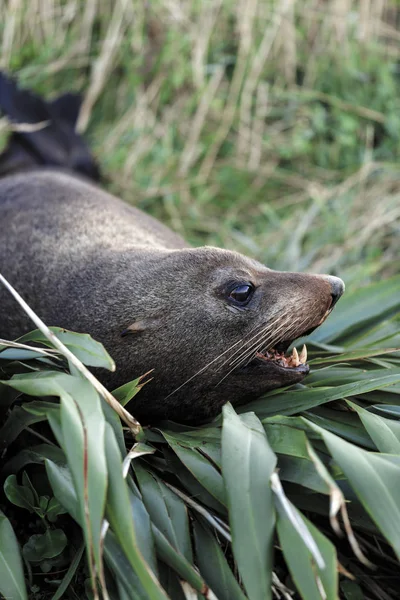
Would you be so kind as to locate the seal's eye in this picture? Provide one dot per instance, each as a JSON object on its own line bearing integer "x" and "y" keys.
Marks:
{"x": 242, "y": 293}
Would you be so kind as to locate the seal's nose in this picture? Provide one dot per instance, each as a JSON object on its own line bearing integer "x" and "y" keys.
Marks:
{"x": 337, "y": 288}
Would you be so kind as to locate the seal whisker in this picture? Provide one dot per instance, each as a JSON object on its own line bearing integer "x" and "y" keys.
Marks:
{"x": 248, "y": 353}
{"x": 260, "y": 343}
{"x": 261, "y": 332}
{"x": 267, "y": 342}
{"x": 270, "y": 325}
{"x": 203, "y": 369}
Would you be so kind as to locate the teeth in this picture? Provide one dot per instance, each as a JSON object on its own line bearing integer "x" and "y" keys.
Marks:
{"x": 295, "y": 358}
{"x": 303, "y": 355}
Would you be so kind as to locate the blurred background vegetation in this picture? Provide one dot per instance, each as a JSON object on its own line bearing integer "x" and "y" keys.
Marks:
{"x": 269, "y": 127}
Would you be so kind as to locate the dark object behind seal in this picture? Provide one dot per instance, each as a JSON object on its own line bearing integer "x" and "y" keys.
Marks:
{"x": 54, "y": 143}
{"x": 213, "y": 324}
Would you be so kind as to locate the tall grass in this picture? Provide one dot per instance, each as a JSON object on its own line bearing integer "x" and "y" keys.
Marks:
{"x": 265, "y": 126}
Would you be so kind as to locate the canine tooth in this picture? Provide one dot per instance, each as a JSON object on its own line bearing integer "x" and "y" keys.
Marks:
{"x": 303, "y": 355}
{"x": 295, "y": 357}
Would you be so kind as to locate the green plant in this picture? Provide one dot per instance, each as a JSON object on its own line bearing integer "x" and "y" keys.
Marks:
{"x": 250, "y": 505}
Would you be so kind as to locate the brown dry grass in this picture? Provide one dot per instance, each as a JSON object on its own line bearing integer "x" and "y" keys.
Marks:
{"x": 264, "y": 126}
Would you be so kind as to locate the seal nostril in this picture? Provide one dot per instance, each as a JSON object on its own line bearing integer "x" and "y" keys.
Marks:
{"x": 335, "y": 298}
{"x": 337, "y": 289}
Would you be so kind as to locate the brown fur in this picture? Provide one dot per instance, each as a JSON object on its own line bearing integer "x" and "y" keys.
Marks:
{"x": 86, "y": 261}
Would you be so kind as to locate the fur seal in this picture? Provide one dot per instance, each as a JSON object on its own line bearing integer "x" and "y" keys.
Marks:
{"x": 213, "y": 324}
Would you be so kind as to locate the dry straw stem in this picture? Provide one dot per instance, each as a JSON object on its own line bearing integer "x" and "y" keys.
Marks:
{"x": 132, "y": 423}
{"x": 102, "y": 66}
{"x": 48, "y": 352}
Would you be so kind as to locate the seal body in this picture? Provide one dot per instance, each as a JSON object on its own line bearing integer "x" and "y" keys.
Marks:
{"x": 211, "y": 324}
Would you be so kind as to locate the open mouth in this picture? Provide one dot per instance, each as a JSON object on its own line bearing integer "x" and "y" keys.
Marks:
{"x": 295, "y": 361}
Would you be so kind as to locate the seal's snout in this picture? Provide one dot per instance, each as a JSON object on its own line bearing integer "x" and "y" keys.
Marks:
{"x": 337, "y": 288}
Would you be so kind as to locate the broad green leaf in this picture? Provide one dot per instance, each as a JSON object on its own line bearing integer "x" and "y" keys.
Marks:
{"x": 301, "y": 471}
{"x": 383, "y": 334}
{"x": 201, "y": 468}
{"x": 178, "y": 562}
{"x": 351, "y": 590}
{"x": 143, "y": 529}
{"x": 20, "y": 495}
{"x": 295, "y": 401}
{"x": 34, "y": 454}
{"x": 384, "y": 432}
{"x": 386, "y": 410}
{"x": 170, "y": 582}
{"x": 121, "y": 520}
{"x": 18, "y": 420}
{"x": 167, "y": 511}
{"x": 12, "y": 581}
{"x": 288, "y": 440}
{"x": 247, "y": 464}
{"x": 355, "y": 355}
{"x": 122, "y": 569}
{"x": 206, "y": 440}
{"x": 54, "y": 508}
{"x": 82, "y": 425}
{"x": 191, "y": 484}
{"x": 82, "y": 437}
{"x": 375, "y": 480}
{"x": 214, "y": 566}
{"x": 46, "y": 545}
{"x": 343, "y": 423}
{"x": 126, "y": 392}
{"x": 63, "y": 488}
{"x": 90, "y": 352}
{"x": 61, "y": 482}
{"x": 308, "y": 577}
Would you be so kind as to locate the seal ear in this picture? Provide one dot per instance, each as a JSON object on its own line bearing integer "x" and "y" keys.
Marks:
{"x": 142, "y": 325}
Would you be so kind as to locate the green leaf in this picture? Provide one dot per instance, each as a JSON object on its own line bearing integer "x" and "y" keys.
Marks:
{"x": 126, "y": 392}
{"x": 170, "y": 582}
{"x": 36, "y": 455}
{"x": 247, "y": 464}
{"x": 82, "y": 424}
{"x": 121, "y": 520}
{"x": 66, "y": 580}
{"x": 54, "y": 508}
{"x": 200, "y": 467}
{"x": 214, "y": 567}
{"x": 355, "y": 355}
{"x": 191, "y": 484}
{"x": 301, "y": 471}
{"x": 61, "y": 482}
{"x": 384, "y": 432}
{"x": 166, "y": 510}
{"x": 20, "y": 495}
{"x": 46, "y": 545}
{"x": 90, "y": 352}
{"x": 295, "y": 401}
{"x": 143, "y": 527}
{"x": 178, "y": 562}
{"x": 12, "y": 582}
{"x": 375, "y": 480}
{"x": 308, "y": 577}
{"x": 18, "y": 420}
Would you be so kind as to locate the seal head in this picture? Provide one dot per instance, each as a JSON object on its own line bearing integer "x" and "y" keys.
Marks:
{"x": 218, "y": 330}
